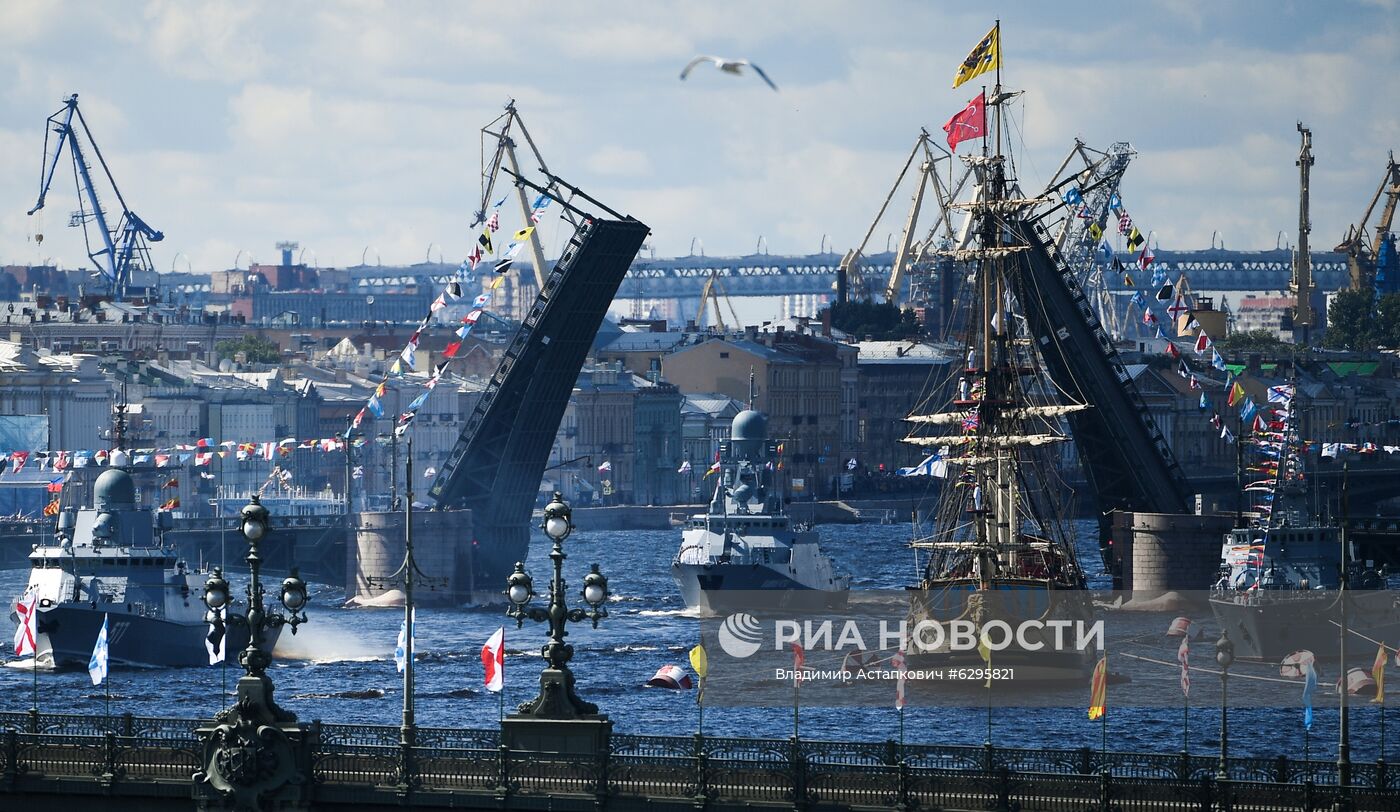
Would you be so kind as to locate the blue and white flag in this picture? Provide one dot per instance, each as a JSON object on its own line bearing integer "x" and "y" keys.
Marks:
{"x": 935, "y": 464}
{"x": 97, "y": 666}
{"x": 401, "y": 649}
{"x": 1073, "y": 196}
{"x": 1115, "y": 202}
{"x": 1218, "y": 361}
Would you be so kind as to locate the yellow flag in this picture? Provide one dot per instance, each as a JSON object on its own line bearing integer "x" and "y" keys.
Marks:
{"x": 1378, "y": 672}
{"x": 986, "y": 56}
{"x": 699, "y": 662}
{"x": 523, "y": 234}
{"x": 485, "y": 240}
{"x": 1098, "y": 689}
{"x": 986, "y": 652}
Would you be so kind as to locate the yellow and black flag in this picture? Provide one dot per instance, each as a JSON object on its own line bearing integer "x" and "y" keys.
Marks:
{"x": 485, "y": 240}
{"x": 1135, "y": 239}
{"x": 986, "y": 56}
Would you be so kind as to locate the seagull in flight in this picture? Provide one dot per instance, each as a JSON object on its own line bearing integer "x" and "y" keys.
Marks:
{"x": 734, "y": 66}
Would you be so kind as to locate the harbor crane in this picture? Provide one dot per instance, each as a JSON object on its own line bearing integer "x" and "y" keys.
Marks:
{"x": 116, "y": 251}
{"x": 1300, "y": 316}
{"x": 910, "y": 251}
{"x": 1371, "y": 254}
{"x": 709, "y": 298}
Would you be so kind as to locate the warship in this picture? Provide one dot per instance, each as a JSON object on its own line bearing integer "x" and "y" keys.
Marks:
{"x": 745, "y": 542}
{"x": 108, "y": 562}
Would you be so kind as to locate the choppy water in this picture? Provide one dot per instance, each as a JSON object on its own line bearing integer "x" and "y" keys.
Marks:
{"x": 340, "y": 668}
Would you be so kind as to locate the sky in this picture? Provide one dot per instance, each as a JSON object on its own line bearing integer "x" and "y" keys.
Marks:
{"x": 353, "y": 127}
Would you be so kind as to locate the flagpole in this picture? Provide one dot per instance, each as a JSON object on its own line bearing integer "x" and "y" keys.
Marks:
{"x": 795, "y": 689}
{"x": 1185, "y": 724}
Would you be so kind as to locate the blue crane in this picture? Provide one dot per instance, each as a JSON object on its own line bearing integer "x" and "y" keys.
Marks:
{"x": 123, "y": 249}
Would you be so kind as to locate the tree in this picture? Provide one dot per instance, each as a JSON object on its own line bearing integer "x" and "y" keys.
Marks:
{"x": 1261, "y": 341}
{"x": 1351, "y": 321}
{"x": 1388, "y": 320}
{"x": 882, "y": 322}
{"x": 256, "y": 349}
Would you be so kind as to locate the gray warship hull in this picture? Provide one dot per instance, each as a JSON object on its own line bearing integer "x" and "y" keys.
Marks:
{"x": 71, "y": 631}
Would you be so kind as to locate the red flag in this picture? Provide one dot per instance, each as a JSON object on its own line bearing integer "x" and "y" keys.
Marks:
{"x": 493, "y": 659}
{"x": 799, "y": 659}
{"x": 970, "y": 122}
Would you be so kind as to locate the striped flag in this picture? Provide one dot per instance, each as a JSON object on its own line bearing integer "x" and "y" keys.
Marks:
{"x": 1098, "y": 689}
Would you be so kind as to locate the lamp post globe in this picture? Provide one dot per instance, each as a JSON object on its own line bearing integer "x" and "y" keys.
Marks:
{"x": 519, "y": 588}
{"x": 558, "y": 522}
{"x": 254, "y": 520}
{"x": 215, "y": 591}
{"x": 595, "y": 588}
{"x": 294, "y": 594}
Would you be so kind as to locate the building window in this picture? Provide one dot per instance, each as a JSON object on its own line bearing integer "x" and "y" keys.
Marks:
{"x": 724, "y": 355}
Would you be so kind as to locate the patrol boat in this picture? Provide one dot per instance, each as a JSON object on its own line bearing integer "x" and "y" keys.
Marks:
{"x": 745, "y": 542}
{"x": 109, "y": 562}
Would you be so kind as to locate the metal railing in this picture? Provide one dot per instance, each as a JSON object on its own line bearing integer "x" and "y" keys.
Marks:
{"x": 353, "y": 763}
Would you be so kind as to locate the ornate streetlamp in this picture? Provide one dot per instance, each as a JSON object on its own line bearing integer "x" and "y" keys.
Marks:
{"x": 249, "y": 748}
{"x": 557, "y": 699}
{"x": 1224, "y": 657}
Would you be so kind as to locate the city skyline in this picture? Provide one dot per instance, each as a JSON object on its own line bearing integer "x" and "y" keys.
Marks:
{"x": 355, "y": 129}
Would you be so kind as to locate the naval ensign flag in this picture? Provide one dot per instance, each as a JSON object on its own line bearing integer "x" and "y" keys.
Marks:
{"x": 493, "y": 659}
{"x": 97, "y": 666}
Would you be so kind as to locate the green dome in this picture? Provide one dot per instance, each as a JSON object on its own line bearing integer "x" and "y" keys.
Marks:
{"x": 114, "y": 489}
{"x": 749, "y": 425}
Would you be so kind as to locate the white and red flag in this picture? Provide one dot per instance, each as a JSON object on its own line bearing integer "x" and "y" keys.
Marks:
{"x": 493, "y": 659}
{"x": 1183, "y": 656}
{"x": 897, "y": 663}
{"x": 27, "y": 635}
{"x": 799, "y": 660}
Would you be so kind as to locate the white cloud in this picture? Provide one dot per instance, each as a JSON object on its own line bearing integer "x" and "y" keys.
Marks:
{"x": 233, "y": 125}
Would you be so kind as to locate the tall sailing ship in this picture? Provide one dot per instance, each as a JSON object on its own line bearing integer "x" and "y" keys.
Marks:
{"x": 1001, "y": 545}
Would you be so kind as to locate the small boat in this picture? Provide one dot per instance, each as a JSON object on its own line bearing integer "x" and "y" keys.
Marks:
{"x": 745, "y": 542}
{"x": 108, "y": 562}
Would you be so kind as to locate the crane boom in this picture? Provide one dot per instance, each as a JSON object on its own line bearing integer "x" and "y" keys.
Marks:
{"x": 1363, "y": 249}
{"x": 122, "y": 249}
{"x": 1301, "y": 286}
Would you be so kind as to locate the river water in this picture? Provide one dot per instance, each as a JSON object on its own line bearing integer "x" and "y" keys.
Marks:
{"x": 340, "y": 668}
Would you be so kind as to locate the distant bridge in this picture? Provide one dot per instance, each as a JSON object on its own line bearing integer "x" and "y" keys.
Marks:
{"x": 772, "y": 275}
